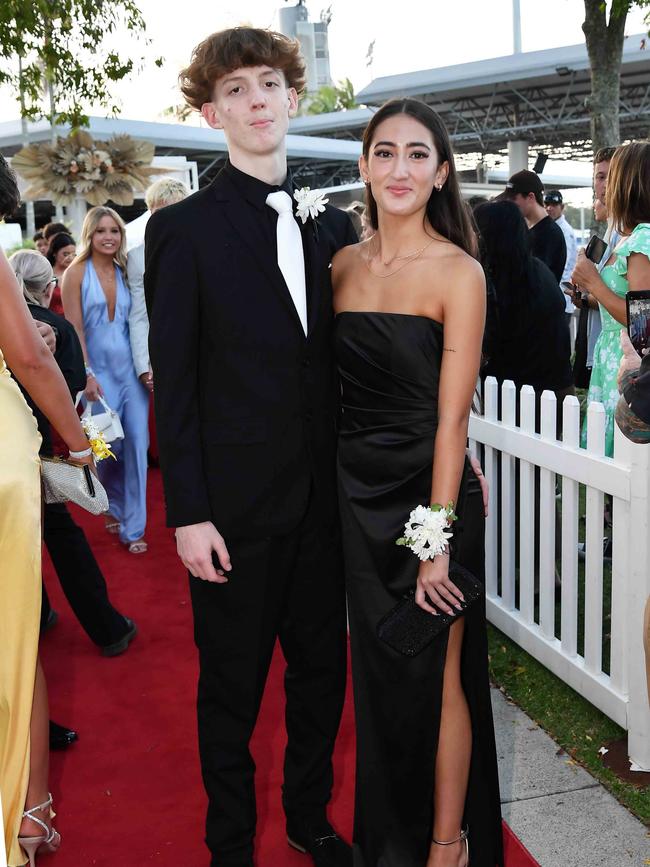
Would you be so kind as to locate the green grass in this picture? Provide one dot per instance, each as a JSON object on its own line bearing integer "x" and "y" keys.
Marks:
{"x": 577, "y": 726}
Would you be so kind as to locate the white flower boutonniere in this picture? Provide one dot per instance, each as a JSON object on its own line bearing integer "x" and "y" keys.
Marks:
{"x": 310, "y": 203}
{"x": 427, "y": 531}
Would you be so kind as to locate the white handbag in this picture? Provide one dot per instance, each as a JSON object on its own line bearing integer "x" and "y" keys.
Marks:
{"x": 108, "y": 421}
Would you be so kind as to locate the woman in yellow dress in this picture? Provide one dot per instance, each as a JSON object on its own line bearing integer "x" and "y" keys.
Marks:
{"x": 24, "y": 734}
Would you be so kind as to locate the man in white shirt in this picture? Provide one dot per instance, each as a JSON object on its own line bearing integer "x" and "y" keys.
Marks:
{"x": 554, "y": 205}
{"x": 163, "y": 192}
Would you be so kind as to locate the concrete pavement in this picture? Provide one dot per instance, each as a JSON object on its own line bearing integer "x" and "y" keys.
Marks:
{"x": 562, "y": 815}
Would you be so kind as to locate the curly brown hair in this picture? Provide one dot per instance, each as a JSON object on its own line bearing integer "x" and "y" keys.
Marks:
{"x": 232, "y": 49}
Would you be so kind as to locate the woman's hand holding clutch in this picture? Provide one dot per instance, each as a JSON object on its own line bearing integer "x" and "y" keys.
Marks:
{"x": 435, "y": 585}
{"x": 89, "y": 461}
{"x": 93, "y": 390}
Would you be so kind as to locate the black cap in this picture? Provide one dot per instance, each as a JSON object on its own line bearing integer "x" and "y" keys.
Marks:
{"x": 523, "y": 182}
{"x": 553, "y": 197}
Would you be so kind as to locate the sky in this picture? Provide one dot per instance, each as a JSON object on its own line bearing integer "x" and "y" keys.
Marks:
{"x": 421, "y": 34}
{"x": 408, "y": 36}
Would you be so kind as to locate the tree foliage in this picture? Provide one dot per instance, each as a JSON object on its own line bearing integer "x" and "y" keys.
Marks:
{"x": 66, "y": 44}
{"x": 604, "y": 37}
{"x": 332, "y": 98}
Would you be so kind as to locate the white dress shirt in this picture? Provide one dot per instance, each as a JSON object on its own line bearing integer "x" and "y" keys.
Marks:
{"x": 571, "y": 255}
{"x": 138, "y": 318}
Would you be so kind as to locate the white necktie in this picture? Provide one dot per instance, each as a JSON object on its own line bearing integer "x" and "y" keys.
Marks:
{"x": 291, "y": 260}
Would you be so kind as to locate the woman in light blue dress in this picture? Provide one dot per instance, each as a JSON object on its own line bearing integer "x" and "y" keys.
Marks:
{"x": 97, "y": 301}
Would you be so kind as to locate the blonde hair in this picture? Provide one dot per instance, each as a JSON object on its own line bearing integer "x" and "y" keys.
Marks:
{"x": 627, "y": 195}
{"x": 91, "y": 221}
{"x": 165, "y": 191}
{"x": 34, "y": 274}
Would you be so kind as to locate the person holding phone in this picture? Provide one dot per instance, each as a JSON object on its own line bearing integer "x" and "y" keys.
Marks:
{"x": 589, "y": 324}
{"x": 627, "y": 269}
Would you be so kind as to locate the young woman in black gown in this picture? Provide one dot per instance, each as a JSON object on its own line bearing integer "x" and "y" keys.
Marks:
{"x": 410, "y": 309}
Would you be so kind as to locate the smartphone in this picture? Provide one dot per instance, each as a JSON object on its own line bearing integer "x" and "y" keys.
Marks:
{"x": 595, "y": 249}
{"x": 638, "y": 319}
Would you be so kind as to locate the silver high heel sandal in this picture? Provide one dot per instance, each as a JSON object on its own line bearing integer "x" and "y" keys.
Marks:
{"x": 45, "y": 843}
{"x": 464, "y": 837}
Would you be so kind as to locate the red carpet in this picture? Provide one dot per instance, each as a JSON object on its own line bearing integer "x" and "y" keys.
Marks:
{"x": 129, "y": 792}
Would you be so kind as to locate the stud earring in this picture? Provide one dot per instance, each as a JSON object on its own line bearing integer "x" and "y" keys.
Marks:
{"x": 438, "y": 187}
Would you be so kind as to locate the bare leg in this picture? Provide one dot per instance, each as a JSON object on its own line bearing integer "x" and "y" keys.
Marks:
{"x": 453, "y": 758}
{"x": 39, "y": 757}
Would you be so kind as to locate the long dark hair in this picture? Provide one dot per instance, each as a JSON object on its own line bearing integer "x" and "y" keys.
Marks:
{"x": 9, "y": 195}
{"x": 505, "y": 254}
{"x": 57, "y": 243}
{"x": 445, "y": 210}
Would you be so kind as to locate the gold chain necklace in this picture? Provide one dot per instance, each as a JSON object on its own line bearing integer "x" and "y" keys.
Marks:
{"x": 410, "y": 257}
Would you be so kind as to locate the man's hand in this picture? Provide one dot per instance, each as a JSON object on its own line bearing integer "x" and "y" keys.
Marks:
{"x": 195, "y": 544}
{"x": 575, "y": 295}
{"x": 47, "y": 333}
{"x": 478, "y": 472}
{"x": 147, "y": 380}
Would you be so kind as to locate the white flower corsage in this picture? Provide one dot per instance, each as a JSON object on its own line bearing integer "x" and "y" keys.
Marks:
{"x": 310, "y": 203}
{"x": 427, "y": 531}
{"x": 96, "y": 440}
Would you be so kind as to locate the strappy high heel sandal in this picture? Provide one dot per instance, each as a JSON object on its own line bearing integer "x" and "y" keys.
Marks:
{"x": 47, "y": 842}
{"x": 464, "y": 837}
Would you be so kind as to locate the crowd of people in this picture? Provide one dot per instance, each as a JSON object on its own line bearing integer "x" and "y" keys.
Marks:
{"x": 303, "y": 414}
{"x": 74, "y": 339}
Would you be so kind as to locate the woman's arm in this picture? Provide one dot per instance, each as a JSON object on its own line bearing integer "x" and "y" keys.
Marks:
{"x": 638, "y": 273}
{"x": 586, "y": 276}
{"x": 464, "y": 321}
{"x": 33, "y": 364}
{"x": 71, "y": 297}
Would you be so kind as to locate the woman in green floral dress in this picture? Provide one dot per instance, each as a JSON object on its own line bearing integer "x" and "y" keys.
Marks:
{"x": 627, "y": 269}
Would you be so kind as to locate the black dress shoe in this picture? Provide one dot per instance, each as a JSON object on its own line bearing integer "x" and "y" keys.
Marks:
{"x": 321, "y": 841}
{"x": 123, "y": 644}
{"x": 61, "y": 737}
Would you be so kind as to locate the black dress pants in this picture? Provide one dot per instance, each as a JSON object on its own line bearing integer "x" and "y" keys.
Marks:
{"x": 80, "y": 576}
{"x": 287, "y": 587}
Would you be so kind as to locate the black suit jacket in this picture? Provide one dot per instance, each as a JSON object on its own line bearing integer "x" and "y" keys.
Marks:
{"x": 245, "y": 404}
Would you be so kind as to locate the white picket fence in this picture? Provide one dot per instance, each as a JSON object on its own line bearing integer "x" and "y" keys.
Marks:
{"x": 521, "y": 588}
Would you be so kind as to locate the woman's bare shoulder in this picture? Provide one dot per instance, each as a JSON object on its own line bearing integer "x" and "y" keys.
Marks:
{"x": 460, "y": 266}
{"x": 348, "y": 255}
{"x": 74, "y": 274}
{"x": 76, "y": 269}
{"x": 346, "y": 262}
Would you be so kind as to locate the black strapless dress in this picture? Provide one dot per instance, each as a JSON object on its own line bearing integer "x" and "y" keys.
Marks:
{"x": 389, "y": 366}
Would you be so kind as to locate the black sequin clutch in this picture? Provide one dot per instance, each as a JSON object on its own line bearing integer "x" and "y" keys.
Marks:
{"x": 408, "y": 628}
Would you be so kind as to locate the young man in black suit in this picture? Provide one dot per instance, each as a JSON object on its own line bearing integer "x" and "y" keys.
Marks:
{"x": 241, "y": 317}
